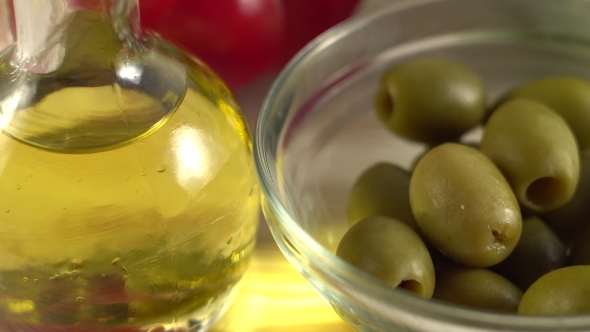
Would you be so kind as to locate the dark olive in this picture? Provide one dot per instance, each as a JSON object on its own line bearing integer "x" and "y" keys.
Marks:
{"x": 538, "y": 252}
{"x": 580, "y": 250}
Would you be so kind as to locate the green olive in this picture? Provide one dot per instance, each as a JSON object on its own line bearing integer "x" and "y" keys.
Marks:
{"x": 538, "y": 252}
{"x": 568, "y": 96}
{"x": 430, "y": 100}
{"x": 559, "y": 292}
{"x": 476, "y": 287}
{"x": 573, "y": 218}
{"x": 464, "y": 206}
{"x": 537, "y": 152}
{"x": 391, "y": 251}
{"x": 580, "y": 250}
{"x": 382, "y": 189}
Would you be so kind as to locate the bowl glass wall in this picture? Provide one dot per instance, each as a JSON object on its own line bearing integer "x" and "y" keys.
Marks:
{"x": 318, "y": 131}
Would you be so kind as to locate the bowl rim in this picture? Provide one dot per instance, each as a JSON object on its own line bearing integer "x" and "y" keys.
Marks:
{"x": 338, "y": 269}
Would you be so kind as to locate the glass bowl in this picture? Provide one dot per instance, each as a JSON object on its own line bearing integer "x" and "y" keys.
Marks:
{"x": 317, "y": 131}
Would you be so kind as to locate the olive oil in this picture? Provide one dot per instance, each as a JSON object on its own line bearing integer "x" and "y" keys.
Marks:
{"x": 152, "y": 233}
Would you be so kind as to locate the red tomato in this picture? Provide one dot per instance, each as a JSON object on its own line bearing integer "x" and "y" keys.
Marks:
{"x": 155, "y": 11}
{"x": 241, "y": 39}
{"x": 306, "y": 19}
{"x": 238, "y": 38}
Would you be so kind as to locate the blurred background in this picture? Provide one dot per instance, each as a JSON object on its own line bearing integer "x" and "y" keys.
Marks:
{"x": 247, "y": 42}
{"x": 251, "y": 89}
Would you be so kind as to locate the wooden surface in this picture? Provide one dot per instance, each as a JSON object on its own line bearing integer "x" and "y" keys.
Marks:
{"x": 275, "y": 297}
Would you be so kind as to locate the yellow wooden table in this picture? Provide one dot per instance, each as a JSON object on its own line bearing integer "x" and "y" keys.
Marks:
{"x": 275, "y": 297}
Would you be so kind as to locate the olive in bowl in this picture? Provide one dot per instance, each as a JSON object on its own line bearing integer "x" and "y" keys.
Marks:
{"x": 391, "y": 251}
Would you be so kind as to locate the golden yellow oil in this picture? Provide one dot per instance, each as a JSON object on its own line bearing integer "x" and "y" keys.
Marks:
{"x": 151, "y": 234}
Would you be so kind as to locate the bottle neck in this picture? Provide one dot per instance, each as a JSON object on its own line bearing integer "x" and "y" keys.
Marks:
{"x": 41, "y": 24}
{"x": 83, "y": 53}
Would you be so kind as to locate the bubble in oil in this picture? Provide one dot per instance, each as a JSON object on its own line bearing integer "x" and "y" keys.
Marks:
{"x": 18, "y": 187}
{"x": 80, "y": 299}
{"x": 236, "y": 256}
{"x": 161, "y": 168}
